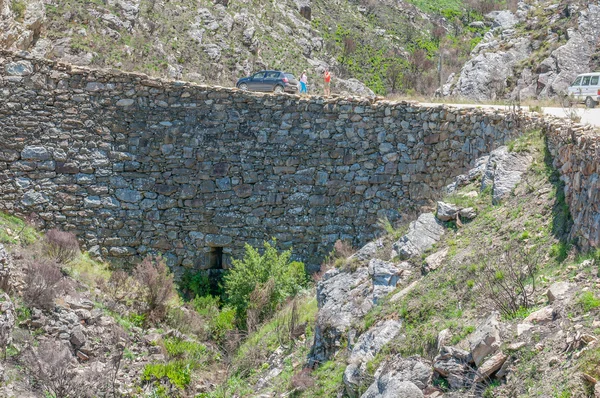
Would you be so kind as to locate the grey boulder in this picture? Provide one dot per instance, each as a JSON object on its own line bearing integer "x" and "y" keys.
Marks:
{"x": 422, "y": 235}
{"x": 400, "y": 376}
{"x": 366, "y": 348}
{"x": 453, "y": 364}
{"x": 386, "y": 276}
{"x": 391, "y": 388}
{"x": 486, "y": 338}
{"x": 342, "y": 297}
{"x": 447, "y": 211}
{"x": 502, "y": 19}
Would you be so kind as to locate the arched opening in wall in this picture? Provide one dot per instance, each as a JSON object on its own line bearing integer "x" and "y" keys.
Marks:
{"x": 215, "y": 258}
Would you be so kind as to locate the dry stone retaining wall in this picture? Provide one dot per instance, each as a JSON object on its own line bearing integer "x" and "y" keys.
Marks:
{"x": 135, "y": 165}
{"x": 576, "y": 155}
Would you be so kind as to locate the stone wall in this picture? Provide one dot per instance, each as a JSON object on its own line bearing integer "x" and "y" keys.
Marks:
{"x": 135, "y": 165}
{"x": 576, "y": 154}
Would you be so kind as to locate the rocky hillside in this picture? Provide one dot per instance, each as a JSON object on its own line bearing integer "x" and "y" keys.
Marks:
{"x": 535, "y": 52}
{"x": 388, "y": 45}
{"x": 481, "y": 297}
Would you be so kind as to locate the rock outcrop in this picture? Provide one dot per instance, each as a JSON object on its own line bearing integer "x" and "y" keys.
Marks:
{"x": 400, "y": 377}
{"x": 364, "y": 351}
{"x": 524, "y": 63}
{"x": 503, "y": 172}
{"x": 344, "y": 297}
{"x": 422, "y": 235}
{"x": 500, "y": 172}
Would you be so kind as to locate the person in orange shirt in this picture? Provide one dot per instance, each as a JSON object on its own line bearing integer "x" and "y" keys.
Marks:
{"x": 327, "y": 78}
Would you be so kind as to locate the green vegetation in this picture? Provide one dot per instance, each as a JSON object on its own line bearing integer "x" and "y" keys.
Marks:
{"x": 260, "y": 282}
{"x": 88, "y": 270}
{"x": 18, "y": 7}
{"x": 177, "y": 372}
{"x": 194, "y": 284}
{"x": 328, "y": 379}
{"x": 13, "y": 230}
{"x": 188, "y": 350}
{"x": 588, "y": 301}
{"x": 444, "y": 6}
{"x": 276, "y": 331}
{"x": 185, "y": 356}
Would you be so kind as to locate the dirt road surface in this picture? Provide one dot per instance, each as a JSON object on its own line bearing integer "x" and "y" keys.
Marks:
{"x": 588, "y": 116}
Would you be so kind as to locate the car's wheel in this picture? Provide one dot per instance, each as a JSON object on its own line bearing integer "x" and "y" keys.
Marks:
{"x": 278, "y": 89}
{"x": 243, "y": 87}
{"x": 590, "y": 103}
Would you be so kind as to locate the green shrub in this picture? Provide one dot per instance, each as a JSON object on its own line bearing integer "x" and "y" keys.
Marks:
{"x": 184, "y": 349}
{"x": 206, "y": 305}
{"x": 18, "y": 7}
{"x": 588, "y": 301}
{"x": 271, "y": 274}
{"x": 219, "y": 321}
{"x": 224, "y": 322}
{"x": 136, "y": 319}
{"x": 195, "y": 284}
{"x": 179, "y": 373}
{"x": 560, "y": 251}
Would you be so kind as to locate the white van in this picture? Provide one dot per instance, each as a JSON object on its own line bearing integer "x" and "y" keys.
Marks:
{"x": 586, "y": 89}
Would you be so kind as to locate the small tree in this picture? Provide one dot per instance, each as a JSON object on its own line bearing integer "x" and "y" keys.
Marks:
{"x": 119, "y": 286}
{"x": 61, "y": 246}
{"x": 394, "y": 76}
{"x": 508, "y": 284}
{"x": 256, "y": 270}
{"x": 349, "y": 47}
{"x": 41, "y": 284}
{"x": 51, "y": 366}
{"x": 156, "y": 286}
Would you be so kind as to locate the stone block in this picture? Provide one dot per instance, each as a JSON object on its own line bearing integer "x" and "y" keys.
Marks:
{"x": 128, "y": 195}
{"x": 35, "y": 153}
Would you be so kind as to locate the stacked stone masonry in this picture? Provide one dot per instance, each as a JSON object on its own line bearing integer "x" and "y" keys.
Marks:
{"x": 135, "y": 165}
{"x": 575, "y": 150}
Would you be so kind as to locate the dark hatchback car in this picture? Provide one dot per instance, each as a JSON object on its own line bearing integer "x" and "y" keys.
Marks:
{"x": 270, "y": 81}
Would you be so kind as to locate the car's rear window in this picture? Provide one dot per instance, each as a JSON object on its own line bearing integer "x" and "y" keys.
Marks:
{"x": 594, "y": 81}
{"x": 290, "y": 76}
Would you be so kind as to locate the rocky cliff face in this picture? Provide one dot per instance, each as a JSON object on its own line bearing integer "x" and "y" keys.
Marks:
{"x": 534, "y": 53}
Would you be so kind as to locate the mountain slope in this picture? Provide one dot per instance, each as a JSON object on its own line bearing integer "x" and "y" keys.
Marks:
{"x": 440, "y": 323}
{"x": 387, "y": 44}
